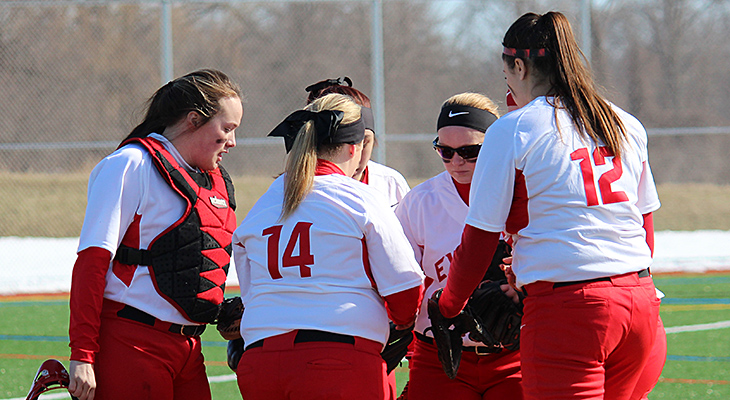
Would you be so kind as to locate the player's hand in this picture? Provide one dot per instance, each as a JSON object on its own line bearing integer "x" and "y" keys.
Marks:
{"x": 507, "y": 268}
{"x": 510, "y": 292}
{"x": 406, "y": 326}
{"x": 82, "y": 383}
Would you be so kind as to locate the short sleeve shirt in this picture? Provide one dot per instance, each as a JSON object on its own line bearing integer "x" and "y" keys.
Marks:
{"x": 584, "y": 206}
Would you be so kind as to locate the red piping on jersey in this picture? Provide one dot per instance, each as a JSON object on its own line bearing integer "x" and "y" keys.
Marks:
{"x": 188, "y": 262}
{"x": 518, "y": 216}
{"x": 366, "y": 264}
{"x": 125, "y": 272}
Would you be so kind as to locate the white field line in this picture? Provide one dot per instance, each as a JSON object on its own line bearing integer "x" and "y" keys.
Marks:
{"x": 232, "y": 377}
{"x": 63, "y": 394}
{"x": 699, "y": 327}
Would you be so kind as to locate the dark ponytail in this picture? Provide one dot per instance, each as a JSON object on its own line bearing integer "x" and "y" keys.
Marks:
{"x": 571, "y": 81}
{"x": 199, "y": 91}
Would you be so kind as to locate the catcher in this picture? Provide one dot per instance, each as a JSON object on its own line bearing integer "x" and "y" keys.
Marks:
{"x": 484, "y": 363}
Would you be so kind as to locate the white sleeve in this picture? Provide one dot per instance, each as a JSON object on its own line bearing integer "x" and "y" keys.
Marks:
{"x": 401, "y": 187}
{"x": 391, "y": 257}
{"x": 403, "y": 212}
{"x": 492, "y": 185}
{"x": 648, "y": 198}
{"x": 115, "y": 194}
{"x": 243, "y": 266}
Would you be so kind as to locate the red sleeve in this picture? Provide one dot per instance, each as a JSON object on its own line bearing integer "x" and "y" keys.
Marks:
{"x": 403, "y": 306}
{"x": 467, "y": 269}
{"x": 649, "y": 228}
{"x": 87, "y": 293}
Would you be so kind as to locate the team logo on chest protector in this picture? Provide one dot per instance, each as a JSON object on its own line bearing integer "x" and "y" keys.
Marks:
{"x": 189, "y": 261}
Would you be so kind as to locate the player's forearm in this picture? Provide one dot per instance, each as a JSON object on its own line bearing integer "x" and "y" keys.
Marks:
{"x": 87, "y": 292}
{"x": 467, "y": 269}
{"x": 649, "y": 228}
{"x": 403, "y": 306}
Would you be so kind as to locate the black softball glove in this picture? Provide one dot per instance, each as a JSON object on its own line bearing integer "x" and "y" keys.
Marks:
{"x": 397, "y": 346}
{"x": 229, "y": 318}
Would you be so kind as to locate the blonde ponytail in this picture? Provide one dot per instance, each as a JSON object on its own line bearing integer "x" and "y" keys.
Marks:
{"x": 302, "y": 160}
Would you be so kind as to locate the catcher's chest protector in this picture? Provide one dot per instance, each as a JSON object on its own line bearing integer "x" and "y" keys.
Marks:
{"x": 189, "y": 261}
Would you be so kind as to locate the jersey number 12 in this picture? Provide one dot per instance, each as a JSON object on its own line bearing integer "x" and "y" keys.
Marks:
{"x": 300, "y": 235}
{"x": 604, "y": 181}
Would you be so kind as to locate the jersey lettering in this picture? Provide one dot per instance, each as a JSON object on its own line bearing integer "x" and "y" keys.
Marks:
{"x": 440, "y": 267}
{"x": 608, "y": 196}
{"x": 299, "y": 236}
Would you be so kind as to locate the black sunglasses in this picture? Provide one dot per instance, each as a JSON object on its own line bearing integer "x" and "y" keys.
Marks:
{"x": 466, "y": 152}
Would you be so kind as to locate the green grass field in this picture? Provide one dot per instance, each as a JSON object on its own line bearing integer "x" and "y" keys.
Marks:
{"x": 35, "y": 328}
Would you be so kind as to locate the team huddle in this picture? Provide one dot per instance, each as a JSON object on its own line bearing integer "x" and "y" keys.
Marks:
{"x": 520, "y": 272}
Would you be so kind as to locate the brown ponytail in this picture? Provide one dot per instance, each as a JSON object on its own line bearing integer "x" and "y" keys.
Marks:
{"x": 570, "y": 78}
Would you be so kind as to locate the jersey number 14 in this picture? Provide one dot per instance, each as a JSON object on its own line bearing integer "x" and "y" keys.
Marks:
{"x": 604, "y": 181}
{"x": 299, "y": 235}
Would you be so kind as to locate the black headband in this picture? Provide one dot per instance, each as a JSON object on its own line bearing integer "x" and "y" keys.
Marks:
{"x": 470, "y": 117}
{"x": 326, "y": 124}
{"x": 316, "y": 87}
{"x": 367, "y": 117}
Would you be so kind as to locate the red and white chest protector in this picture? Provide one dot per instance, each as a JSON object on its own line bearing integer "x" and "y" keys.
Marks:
{"x": 188, "y": 262}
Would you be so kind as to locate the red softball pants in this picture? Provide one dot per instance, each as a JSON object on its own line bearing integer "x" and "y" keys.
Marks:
{"x": 137, "y": 361}
{"x": 284, "y": 370}
{"x": 480, "y": 377}
{"x": 587, "y": 340}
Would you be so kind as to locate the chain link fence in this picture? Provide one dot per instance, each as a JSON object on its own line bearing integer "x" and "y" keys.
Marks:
{"x": 74, "y": 75}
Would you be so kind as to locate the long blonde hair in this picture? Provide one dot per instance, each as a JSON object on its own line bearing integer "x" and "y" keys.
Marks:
{"x": 476, "y": 100}
{"x": 302, "y": 160}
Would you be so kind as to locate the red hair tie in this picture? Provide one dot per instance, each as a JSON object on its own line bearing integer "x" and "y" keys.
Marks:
{"x": 524, "y": 53}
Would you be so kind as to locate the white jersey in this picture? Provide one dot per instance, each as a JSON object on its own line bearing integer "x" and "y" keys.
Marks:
{"x": 326, "y": 266}
{"x": 432, "y": 215}
{"x": 387, "y": 181}
{"x": 584, "y": 208}
{"x": 126, "y": 191}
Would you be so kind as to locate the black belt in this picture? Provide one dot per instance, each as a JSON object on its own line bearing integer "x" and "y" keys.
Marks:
{"x": 138, "y": 315}
{"x": 309, "y": 335}
{"x": 642, "y": 274}
{"x": 479, "y": 350}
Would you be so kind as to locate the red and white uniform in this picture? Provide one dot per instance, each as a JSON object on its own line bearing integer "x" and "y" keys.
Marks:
{"x": 387, "y": 181}
{"x": 562, "y": 174}
{"x": 326, "y": 267}
{"x": 126, "y": 192}
{"x": 125, "y": 188}
{"x": 575, "y": 213}
{"x": 432, "y": 215}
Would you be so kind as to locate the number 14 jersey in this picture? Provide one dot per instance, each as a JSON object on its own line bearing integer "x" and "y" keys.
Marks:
{"x": 326, "y": 266}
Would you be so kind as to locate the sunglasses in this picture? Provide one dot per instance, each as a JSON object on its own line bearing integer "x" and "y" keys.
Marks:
{"x": 468, "y": 153}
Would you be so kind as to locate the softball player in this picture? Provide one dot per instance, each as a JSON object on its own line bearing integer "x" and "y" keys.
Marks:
{"x": 568, "y": 175}
{"x": 653, "y": 369}
{"x": 323, "y": 265}
{"x": 432, "y": 215}
{"x": 134, "y": 333}
{"x": 386, "y": 180}
{"x": 389, "y": 182}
